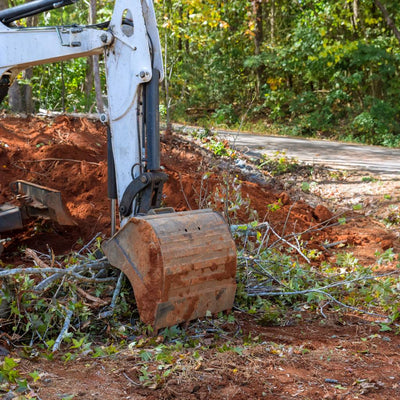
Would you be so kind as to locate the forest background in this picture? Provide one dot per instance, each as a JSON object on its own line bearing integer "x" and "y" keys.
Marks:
{"x": 327, "y": 69}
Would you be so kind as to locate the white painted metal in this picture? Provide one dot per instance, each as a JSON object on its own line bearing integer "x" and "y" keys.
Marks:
{"x": 21, "y": 48}
{"x": 152, "y": 30}
{"x": 130, "y": 55}
{"x": 128, "y": 66}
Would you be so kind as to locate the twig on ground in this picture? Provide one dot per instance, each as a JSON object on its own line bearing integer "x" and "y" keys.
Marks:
{"x": 322, "y": 291}
{"x": 65, "y": 327}
{"x": 322, "y": 288}
{"x": 297, "y": 248}
{"x": 89, "y": 243}
{"x": 94, "y": 299}
{"x": 131, "y": 380}
{"x": 27, "y": 170}
{"x": 62, "y": 159}
{"x": 183, "y": 192}
{"x": 117, "y": 290}
{"x": 75, "y": 270}
{"x": 287, "y": 219}
{"x": 45, "y": 284}
{"x": 32, "y": 254}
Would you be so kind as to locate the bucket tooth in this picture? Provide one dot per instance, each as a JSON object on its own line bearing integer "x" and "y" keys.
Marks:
{"x": 180, "y": 265}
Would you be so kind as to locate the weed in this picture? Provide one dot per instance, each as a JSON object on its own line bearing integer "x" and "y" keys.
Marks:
{"x": 275, "y": 206}
{"x": 368, "y": 179}
{"x": 305, "y": 187}
{"x": 104, "y": 351}
{"x": 386, "y": 257}
{"x": 9, "y": 371}
{"x": 220, "y": 148}
{"x": 228, "y": 197}
{"x": 393, "y": 216}
{"x": 278, "y": 164}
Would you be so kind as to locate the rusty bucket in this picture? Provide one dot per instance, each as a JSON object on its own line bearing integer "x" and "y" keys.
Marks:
{"x": 181, "y": 265}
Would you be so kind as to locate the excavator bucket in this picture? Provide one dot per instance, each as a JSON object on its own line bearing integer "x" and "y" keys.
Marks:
{"x": 181, "y": 265}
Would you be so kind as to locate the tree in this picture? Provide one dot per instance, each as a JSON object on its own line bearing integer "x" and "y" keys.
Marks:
{"x": 258, "y": 37}
{"x": 20, "y": 92}
{"x": 389, "y": 21}
{"x": 93, "y": 69}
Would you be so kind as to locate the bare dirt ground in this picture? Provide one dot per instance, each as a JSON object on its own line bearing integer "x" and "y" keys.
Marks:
{"x": 338, "y": 357}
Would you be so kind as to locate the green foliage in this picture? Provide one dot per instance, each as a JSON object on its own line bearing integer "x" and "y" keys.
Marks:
{"x": 274, "y": 282}
{"x": 219, "y": 148}
{"x": 316, "y": 68}
{"x": 278, "y": 164}
{"x": 36, "y": 316}
{"x": 393, "y": 216}
{"x": 8, "y": 370}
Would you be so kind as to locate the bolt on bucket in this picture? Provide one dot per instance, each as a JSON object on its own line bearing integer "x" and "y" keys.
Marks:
{"x": 180, "y": 265}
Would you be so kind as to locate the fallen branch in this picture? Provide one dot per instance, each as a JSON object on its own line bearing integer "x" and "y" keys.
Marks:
{"x": 94, "y": 299}
{"x": 62, "y": 159}
{"x": 322, "y": 290}
{"x": 117, "y": 290}
{"x": 73, "y": 271}
{"x": 65, "y": 327}
{"x": 76, "y": 272}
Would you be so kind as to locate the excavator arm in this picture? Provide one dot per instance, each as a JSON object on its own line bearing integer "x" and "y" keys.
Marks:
{"x": 132, "y": 53}
{"x": 181, "y": 265}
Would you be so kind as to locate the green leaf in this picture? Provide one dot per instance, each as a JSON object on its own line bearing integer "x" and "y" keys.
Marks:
{"x": 385, "y": 328}
{"x": 34, "y": 375}
{"x": 305, "y": 187}
{"x": 145, "y": 355}
{"x": 22, "y": 385}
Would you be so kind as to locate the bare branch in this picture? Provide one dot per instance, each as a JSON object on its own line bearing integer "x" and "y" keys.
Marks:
{"x": 65, "y": 327}
{"x": 75, "y": 271}
{"x": 62, "y": 160}
{"x": 117, "y": 290}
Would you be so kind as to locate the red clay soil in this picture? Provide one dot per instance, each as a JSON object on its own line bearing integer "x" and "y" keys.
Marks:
{"x": 69, "y": 155}
{"x": 328, "y": 358}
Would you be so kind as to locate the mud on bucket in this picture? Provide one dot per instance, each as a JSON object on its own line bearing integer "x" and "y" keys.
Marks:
{"x": 180, "y": 265}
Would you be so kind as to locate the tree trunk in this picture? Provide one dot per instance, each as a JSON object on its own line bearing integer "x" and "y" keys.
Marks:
{"x": 20, "y": 94}
{"x": 258, "y": 37}
{"x": 389, "y": 21}
{"x": 167, "y": 6}
{"x": 272, "y": 21}
{"x": 355, "y": 15}
{"x": 4, "y": 81}
{"x": 95, "y": 64}
{"x": 88, "y": 84}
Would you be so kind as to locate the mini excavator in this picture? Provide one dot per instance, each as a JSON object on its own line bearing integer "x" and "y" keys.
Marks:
{"x": 181, "y": 265}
